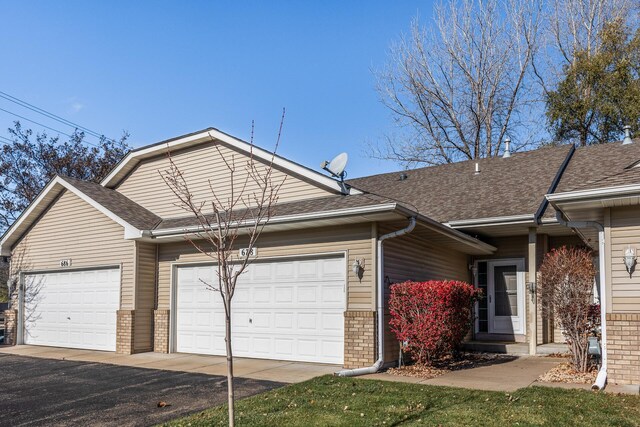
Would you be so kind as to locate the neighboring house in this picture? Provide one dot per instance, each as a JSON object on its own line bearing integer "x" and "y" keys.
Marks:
{"x": 106, "y": 266}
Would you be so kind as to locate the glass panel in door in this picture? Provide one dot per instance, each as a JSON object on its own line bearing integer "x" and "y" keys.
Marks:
{"x": 506, "y": 290}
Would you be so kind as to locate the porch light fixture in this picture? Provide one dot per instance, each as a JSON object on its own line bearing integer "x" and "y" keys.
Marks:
{"x": 630, "y": 260}
{"x": 358, "y": 268}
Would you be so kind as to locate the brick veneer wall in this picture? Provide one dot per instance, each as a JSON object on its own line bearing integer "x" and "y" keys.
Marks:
{"x": 124, "y": 331}
{"x": 161, "y": 331}
{"x": 359, "y": 338}
{"x": 623, "y": 348}
{"x": 10, "y": 327}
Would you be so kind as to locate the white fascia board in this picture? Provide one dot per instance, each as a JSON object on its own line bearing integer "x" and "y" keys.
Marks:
{"x": 286, "y": 218}
{"x": 5, "y": 247}
{"x": 264, "y": 155}
{"x": 282, "y": 162}
{"x": 607, "y": 192}
{"x": 133, "y": 155}
{"x": 130, "y": 232}
{"x": 498, "y": 220}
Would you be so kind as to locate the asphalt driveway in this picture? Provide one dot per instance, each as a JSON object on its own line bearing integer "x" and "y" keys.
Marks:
{"x": 37, "y": 391}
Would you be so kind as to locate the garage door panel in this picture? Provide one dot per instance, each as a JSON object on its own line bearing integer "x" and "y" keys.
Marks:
{"x": 285, "y": 310}
{"x": 76, "y": 310}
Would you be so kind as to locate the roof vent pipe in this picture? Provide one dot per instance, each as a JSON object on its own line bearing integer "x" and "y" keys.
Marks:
{"x": 627, "y": 135}
{"x": 477, "y": 169}
{"x": 507, "y": 146}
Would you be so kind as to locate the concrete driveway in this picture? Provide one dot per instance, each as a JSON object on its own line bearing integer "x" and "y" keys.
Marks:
{"x": 37, "y": 391}
{"x": 257, "y": 369}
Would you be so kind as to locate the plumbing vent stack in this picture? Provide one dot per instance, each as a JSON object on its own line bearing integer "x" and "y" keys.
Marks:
{"x": 627, "y": 135}
{"x": 477, "y": 168}
{"x": 507, "y": 147}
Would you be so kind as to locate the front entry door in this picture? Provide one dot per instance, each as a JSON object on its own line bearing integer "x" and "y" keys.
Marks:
{"x": 506, "y": 297}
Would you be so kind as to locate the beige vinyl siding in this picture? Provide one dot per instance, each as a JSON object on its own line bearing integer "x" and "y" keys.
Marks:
{"x": 73, "y": 229}
{"x": 200, "y": 165}
{"x": 145, "y": 295}
{"x": 412, "y": 258}
{"x": 354, "y": 239}
{"x": 624, "y": 231}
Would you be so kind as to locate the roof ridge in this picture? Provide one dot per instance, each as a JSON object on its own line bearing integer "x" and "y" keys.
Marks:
{"x": 514, "y": 155}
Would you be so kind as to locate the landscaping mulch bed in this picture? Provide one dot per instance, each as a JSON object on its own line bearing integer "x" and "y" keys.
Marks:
{"x": 564, "y": 373}
{"x": 450, "y": 363}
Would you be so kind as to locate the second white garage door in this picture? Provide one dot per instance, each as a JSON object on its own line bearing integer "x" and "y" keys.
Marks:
{"x": 75, "y": 309}
{"x": 285, "y": 310}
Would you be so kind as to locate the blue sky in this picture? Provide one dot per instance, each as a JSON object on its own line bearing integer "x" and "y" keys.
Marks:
{"x": 161, "y": 69}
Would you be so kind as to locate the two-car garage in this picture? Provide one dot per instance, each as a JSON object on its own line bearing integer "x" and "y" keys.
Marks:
{"x": 283, "y": 309}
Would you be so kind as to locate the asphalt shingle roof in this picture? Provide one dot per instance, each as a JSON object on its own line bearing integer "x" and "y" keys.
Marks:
{"x": 599, "y": 166}
{"x": 117, "y": 203}
{"x": 450, "y": 192}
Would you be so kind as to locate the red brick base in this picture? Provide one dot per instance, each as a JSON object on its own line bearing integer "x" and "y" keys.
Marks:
{"x": 623, "y": 348}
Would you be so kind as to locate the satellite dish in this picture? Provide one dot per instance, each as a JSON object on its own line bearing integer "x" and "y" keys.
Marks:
{"x": 336, "y": 166}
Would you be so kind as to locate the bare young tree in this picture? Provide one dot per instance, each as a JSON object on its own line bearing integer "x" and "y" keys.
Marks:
{"x": 458, "y": 88}
{"x": 565, "y": 286}
{"x": 242, "y": 212}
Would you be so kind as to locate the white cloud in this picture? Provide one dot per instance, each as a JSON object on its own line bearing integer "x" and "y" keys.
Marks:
{"x": 75, "y": 105}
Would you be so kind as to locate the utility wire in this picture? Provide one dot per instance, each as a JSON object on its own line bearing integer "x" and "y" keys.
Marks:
{"x": 50, "y": 115}
{"x": 44, "y": 126}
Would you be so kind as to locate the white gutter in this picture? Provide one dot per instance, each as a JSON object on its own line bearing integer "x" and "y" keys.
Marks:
{"x": 601, "y": 379}
{"x": 498, "y": 220}
{"x": 621, "y": 190}
{"x": 380, "y": 304}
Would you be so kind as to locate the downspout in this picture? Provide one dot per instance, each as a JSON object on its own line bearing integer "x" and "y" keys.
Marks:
{"x": 601, "y": 379}
{"x": 379, "y": 303}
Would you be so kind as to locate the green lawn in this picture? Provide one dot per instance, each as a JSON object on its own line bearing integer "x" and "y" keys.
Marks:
{"x": 355, "y": 402}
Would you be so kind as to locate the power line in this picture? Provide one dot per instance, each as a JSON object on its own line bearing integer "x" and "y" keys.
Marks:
{"x": 50, "y": 115}
{"x": 44, "y": 126}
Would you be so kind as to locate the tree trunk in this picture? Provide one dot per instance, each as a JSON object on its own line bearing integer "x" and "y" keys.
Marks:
{"x": 231, "y": 399}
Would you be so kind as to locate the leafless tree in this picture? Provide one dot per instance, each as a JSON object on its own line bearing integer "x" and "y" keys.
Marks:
{"x": 573, "y": 26}
{"x": 565, "y": 286}
{"x": 240, "y": 213}
{"x": 459, "y": 87}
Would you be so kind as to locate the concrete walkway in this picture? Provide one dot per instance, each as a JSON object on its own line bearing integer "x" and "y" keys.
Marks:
{"x": 506, "y": 376}
{"x": 258, "y": 369}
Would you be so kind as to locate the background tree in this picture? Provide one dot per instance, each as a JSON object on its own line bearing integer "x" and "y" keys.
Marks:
{"x": 227, "y": 220}
{"x": 600, "y": 89}
{"x": 29, "y": 161}
{"x": 456, "y": 89}
{"x": 4, "y": 278}
{"x": 576, "y": 26}
{"x": 565, "y": 286}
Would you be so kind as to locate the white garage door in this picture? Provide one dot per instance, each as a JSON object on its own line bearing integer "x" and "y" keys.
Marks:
{"x": 74, "y": 309}
{"x": 284, "y": 310}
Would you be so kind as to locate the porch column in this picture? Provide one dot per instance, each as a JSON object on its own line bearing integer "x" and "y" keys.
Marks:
{"x": 531, "y": 291}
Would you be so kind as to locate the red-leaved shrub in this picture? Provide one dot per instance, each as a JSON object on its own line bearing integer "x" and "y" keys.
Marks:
{"x": 431, "y": 318}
